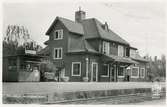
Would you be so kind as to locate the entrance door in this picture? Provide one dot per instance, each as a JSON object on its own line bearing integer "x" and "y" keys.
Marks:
{"x": 94, "y": 74}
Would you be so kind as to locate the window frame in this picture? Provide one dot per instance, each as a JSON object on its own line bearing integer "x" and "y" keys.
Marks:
{"x": 123, "y": 72}
{"x": 58, "y": 53}
{"x": 120, "y": 50}
{"x": 106, "y": 47}
{"x": 132, "y": 72}
{"x": 54, "y": 35}
{"x": 108, "y": 69}
{"x": 72, "y": 73}
{"x": 143, "y": 73}
{"x": 97, "y": 71}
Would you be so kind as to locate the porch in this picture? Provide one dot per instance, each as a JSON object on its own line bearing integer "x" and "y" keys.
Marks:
{"x": 113, "y": 68}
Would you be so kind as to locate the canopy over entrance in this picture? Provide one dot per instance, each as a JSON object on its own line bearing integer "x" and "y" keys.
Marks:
{"x": 118, "y": 59}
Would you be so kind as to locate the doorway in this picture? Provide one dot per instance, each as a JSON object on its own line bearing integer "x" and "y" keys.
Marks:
{"x": 94, "y": 74}
{"x": 112, "y": 73}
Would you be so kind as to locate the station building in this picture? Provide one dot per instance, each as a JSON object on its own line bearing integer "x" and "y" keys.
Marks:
{"x": 88, "y": 50}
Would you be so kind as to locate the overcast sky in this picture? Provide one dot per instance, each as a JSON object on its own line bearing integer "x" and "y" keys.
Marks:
{"x": 142, "y": 24}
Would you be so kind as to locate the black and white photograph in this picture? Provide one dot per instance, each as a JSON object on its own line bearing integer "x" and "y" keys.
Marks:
{"x": 83, "y": 52}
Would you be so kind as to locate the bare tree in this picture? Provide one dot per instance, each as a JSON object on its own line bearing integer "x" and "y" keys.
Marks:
{"x": 16, "y": 39}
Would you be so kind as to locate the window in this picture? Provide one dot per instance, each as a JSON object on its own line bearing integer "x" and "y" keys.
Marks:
{"x": 106, "y": 47}
{"x": 120, "y": 71}
{"x": 76, "y": 68}
{"x": 58, "y": 34}
{"x": 135, "y": 72}
{"x": 142, "y": 72}
{"x": 105, "y": 71}
{"x": 57, "y": 53}
{"x": 120, "y": 50}
{"x": 127, "y": 52}
{"x": 132, "y": 53}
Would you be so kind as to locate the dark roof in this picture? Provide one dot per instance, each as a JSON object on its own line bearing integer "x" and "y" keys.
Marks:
{"x": 82, "y": 46}
{"x": 90, "y": 28}
{"x": 93, "y": 29}
{"x": 44, "y": 51}
{"x": 120, "y": 59}
{"x": 72, "y": 26}
{"x": 46, "y": 42}
{"x": 110, "y": 35}
{"x": 133, "y": 48}
{"x": 25, "y": 55}
{"x": 139, "y": 58}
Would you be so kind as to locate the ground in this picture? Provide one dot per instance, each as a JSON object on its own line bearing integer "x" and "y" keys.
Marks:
{"x": 51, "y": 87}
{"x": 154, "y": 102}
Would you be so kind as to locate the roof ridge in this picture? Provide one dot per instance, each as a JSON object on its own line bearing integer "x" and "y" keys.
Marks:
{"x": 68, "y": 20}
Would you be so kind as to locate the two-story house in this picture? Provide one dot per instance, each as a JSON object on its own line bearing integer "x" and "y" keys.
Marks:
{"x": 87, "y": 50}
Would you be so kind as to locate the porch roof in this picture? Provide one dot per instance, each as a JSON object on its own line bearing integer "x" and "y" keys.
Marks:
{"x": 119, "y": 59}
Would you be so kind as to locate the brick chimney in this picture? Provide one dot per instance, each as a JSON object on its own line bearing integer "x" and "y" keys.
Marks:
{"x": 105, "y": 26}
{"x": 80, "y": 15}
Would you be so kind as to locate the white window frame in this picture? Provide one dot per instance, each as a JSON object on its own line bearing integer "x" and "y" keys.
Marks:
{"x": 59, "y": 38}
{"x": 144, "y": 72}
{"x": 58, "y": 53}
{"x": 79, "y": 69}
{"x": 108, "y": 69}
{"x": 132, "y": 71}
{"x": 120, "y": 49}
{"x": 123, "y": 72}
{"x": 106, "y": 47}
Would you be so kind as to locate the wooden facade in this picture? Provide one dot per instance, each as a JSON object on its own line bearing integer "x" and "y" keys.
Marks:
{"x": 83, "y": 50}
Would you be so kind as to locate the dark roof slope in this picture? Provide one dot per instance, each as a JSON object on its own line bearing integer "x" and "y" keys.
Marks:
{"x": 44, "y": 51}
{"x": 90, "y": 29}
{"x": 70, "y": 25}
{"x": 79, "y": 44}
{"x": 110, "y": 35}
{"x": 139, "y": 58}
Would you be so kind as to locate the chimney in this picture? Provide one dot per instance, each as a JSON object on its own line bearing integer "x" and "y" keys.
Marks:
{"x": 105, "y": 26}
{"x": 80, "y": 15}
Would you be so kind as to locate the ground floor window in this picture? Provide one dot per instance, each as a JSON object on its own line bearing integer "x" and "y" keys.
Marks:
{"x": 76, "y": 68}
{"x": 105, "y": 70}
{"x": 120, "y": 71}
{"x": 135, "y": 72}
{"x": 142, "y": 72}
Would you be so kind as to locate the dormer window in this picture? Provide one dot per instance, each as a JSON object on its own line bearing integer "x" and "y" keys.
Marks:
{"x": 58, "y": 34}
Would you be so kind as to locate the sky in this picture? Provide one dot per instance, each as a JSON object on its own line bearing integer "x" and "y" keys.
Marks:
{"x": 142, "y": 24}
